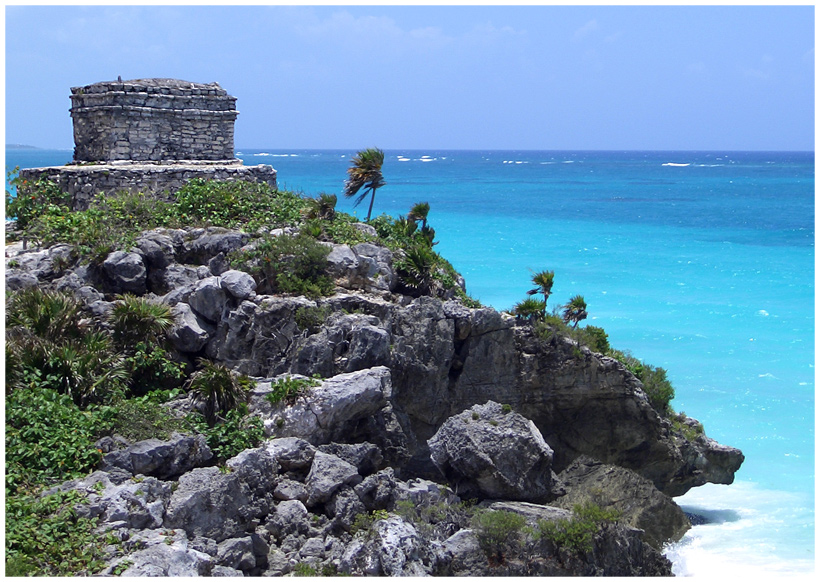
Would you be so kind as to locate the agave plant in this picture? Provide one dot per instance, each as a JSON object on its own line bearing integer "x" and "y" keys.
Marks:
{"x": 134, "y": 319}
{"x": 365, "y": 172}
{"x": 575, "y": 311}
{"x": 216, "y": 389}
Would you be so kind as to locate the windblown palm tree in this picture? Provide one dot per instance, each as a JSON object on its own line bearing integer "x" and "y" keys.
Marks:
{"x": 543, "y": 281}
{"x": 419, "y": 212}
{"x": 365, "y": 172}
{"x": 575, "y": 311}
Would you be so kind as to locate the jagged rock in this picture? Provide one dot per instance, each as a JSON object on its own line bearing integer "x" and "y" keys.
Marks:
{"x": 344, "y": 506}
{"x": 290, "y": 517}
{"x": 156, "y": 248}
{"x": 162, "y": 459}
{"x": 126, "y": 272}
{"x": 327, "y": 474}
{"x": 236, "y": 553}
{"x": 638, "y": 501}
{"x": 488, "y": 452}
{"x": 292, "y": 454}
{"x": 219, "y": 264}
{"x": 461, "y": 555}
{"x": 224, "y": 572}
{"x": 376, "y": 266}
{"x": 190, "y": 332}
{"x": 288, "y": 489}
{"x": 369, "y": 346}
{"x": 330, "y": 411}
{"x": 213, "y": 504}
{"x": 397, "y": 550}
{"x": 17, "y": 280}
{"x": 210, "y": 243}
{"x": 378, "y": 491}
{"x": 117, "y": 499}
{"x": 161, "y": 558}
{"x": 209, "y": 299}
{"x": 366, "y": 457}
{"x": 177, "y": 282}
{"x": 238, "y": 284}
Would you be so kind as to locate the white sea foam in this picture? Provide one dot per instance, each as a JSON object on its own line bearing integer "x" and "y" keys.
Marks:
{"x": 676, "y": 165}
{"x": 750, "y": 532}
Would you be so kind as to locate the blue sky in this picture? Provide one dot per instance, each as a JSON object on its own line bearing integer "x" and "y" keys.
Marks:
{"x": 420, "y": 77}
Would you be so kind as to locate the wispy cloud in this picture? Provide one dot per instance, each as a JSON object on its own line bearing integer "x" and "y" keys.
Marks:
{"x": 586, "y": 30}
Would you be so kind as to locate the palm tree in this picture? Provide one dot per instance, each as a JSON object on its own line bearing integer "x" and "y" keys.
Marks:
{"x": 418, "y": 212}
{"x": 575, "y": 311}
{"x": 323, "y": 207}
{"x": 543, "y": 281}
{"x": 365, "y": 172}
{"x": 530, "y": 309}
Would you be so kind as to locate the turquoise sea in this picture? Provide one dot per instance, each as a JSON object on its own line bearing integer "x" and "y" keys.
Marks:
{"x": 699, "y": 262}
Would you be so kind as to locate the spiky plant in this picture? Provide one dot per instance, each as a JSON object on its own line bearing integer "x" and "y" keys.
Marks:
{"x": 134, "y": 319}
{"x": 575, "y": 311}
{"x": 217, "y": 389}
{"x": 45, "y": 314}
{"x": 365, "y": 173}
{"x": 530, "y": 309}
{"x": 323, "y": 207}
{"x": 416, "y": 268}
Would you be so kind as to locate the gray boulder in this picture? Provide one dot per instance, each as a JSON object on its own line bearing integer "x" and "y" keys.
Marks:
{"x": 213, "y": 504}
{"x": 209, "y": 299}
{"x": 210, "y": 242}
{"x": 236, "y": 553}
{"x": 126, "y": 272}
{"x": 490, "y": 452}
{"x": 292, "y": 454}
{"x": 190, "y": 332}
{"x": 366, "y": 457}
{"x": 164, "y": 554}
{"x": 327, "y": 474}
{"x": 162, "y": 459}
{"x": 238, "y": 284}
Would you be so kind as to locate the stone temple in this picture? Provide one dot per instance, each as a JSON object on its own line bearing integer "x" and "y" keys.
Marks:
{"x": 150, "y": 136}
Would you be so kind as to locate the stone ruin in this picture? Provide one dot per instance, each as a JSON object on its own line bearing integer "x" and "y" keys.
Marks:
{"x": 149, "y": 136}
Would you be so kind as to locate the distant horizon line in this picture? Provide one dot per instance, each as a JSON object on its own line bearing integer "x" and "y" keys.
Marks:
{"x": 415, "y": 149}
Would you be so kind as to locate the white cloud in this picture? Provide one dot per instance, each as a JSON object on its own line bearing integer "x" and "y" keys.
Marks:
{"x": 586, "y": 30}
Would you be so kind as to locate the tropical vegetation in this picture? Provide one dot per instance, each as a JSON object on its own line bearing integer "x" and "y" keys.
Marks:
{"x": 365, "y": 175}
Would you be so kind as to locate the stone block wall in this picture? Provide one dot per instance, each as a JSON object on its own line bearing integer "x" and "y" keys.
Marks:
{"x": 152, "y": 120}
{"x": 156, "y": 180}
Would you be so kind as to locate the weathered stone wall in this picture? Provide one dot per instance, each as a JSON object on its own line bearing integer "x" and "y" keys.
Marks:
{"x": 152, "y": 120}
{"x": 159, "y": 180}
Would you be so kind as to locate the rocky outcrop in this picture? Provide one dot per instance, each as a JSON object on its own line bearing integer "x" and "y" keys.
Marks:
{"x": 414, "y": 395}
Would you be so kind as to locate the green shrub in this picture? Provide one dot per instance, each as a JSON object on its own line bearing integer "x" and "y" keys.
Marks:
{"x": 364, "y": 521}
{"x": 311, "y": 318}
{"x": 142, "y": 418}
{"x": 530, "y": 309}
{"x": 288, "y": 389}
{"x": 302, "y": 569}
{"x": 33, "y": 198}
{"x": 232, "y": 435}
{"x": 655, "y": 383}
{"x": 595, "y": 338}
{"x": 233, "y": 204}
{"x": 49, "y": 439}
{"x": 498, "y": 530}
{"x": 287, "y": 264}
{"x": 151, "y": 368}
{"x": 578, "y": 532}
{"x": 45, "y": 537}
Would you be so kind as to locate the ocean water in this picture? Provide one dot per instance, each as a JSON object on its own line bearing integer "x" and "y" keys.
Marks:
{"x": 699, "y": 262}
